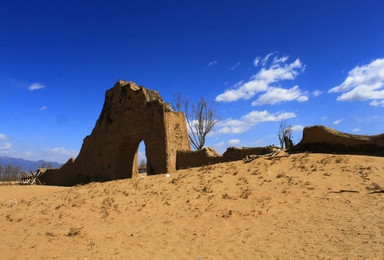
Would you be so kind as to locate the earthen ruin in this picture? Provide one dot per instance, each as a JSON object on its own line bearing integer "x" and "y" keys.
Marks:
{"x": 208, "y": 155}
{"x": 323, "y": 139}
{"x": 130, "y": 114}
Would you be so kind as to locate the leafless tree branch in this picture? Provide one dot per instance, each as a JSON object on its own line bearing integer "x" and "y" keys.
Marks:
{"x": 285, "y": 134}
{"x": 201, "y": 119}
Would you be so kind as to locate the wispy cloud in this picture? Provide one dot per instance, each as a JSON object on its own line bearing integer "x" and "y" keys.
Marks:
{"x": 56, "y": 154}
{"x": 337, "y": 121}
{"x": 5, "y": 145}
{"x": 256, "y": 61}
{"x": 377, "y": 103}
{"x": 280, "y": 59}
{"x": 220, "y": 144}
{"x": 235, "y": 66}
{"x": 35, "y": 86}
{"x": 43, "y": 108}
{"x": 59, "y": 154}
{"x": 297, "y": 128}
{"x": 277, "y": 95}
{"x": 266, "y": 58}
{"x": 265, "y": 80}
{"x": 238, "y": 126}
{"x": 3, "y": 137}
{"x": 233, "y": 126}
{"x": 363, "y": 83}
{"x": 355, "y": 130}
{"x": 63, "y": 151}
{"x": 233, "y": 142}
{"x": 317, "y": 93}
{"x": 4, "y": 142}
{"x": 211, "y": 63}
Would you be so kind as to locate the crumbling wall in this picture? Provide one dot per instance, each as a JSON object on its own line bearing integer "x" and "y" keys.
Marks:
{"x": 130, "y": 114}
{"x": 177, "y": 137}
{"x": 208, "y": 155}
{"x": 189, "y": 159}
{"x": 323, "y": 139}
{"x": 236, "y": 153}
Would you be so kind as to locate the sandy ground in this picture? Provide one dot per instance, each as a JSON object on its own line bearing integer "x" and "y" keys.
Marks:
{"x": 306, "y": 206}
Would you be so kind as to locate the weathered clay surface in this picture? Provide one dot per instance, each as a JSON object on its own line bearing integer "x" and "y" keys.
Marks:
{"x": 208, "y": 155}
{"x": 237, "y": 153}
{"x": 189, "y": 159}
{"x": 131, "y": 114}
{"x": 326, "y": 140}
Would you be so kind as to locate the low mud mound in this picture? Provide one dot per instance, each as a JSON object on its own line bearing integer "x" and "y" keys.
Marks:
{"x": 326, "y": 140}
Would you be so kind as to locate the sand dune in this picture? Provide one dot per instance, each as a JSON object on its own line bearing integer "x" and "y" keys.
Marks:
{"x": 305, "y": 206}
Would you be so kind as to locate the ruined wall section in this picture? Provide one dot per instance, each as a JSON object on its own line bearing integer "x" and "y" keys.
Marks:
{"x": 323, "y": 139}
{"x": 130, "y": 114}
{"x": 176, "y": 128}
{"x": 208, "y": 156}
{"x": 189, "y": 159}
{"x": 236, "y": 153}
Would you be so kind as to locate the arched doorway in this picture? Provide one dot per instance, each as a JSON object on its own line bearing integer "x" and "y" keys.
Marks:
{"x": 142, "y": 159}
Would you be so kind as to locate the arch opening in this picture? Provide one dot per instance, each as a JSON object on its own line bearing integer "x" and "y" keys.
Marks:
{"x": 142, "y": 161}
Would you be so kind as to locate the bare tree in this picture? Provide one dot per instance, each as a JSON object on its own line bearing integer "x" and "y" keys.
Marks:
{"x": 9, "y": 173}
{"x": 285, "y": 134}
{"x": 178, "y": 102}
{"x": 201, "y": 119}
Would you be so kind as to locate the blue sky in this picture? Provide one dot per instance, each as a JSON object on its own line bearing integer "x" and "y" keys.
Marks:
{"x": 310, "y": 62}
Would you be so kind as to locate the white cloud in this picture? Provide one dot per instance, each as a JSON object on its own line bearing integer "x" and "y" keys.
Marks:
{"x": 210, "y": 64}
{"x": 192, "y": 125}
{"x": 5, "y": 146}
{"x": 297, "y": 128}
{"x": 280, "y": 60}
{"x": 317, "y": 93}
{"x": 246, "y": 91}
{"x": 338, "y": 121}
{"x": 221, "y": 144}
{"x": 256, "y": 117}
{"x": 256, "y": 61}
{"x": 235, "y": 66}
{"x": 302, "y": 98}
{"x": 238, "y": 126}
{"x": 233, "y": 142}
{"x": 364, "y": 92}
{"x": 355, "y": 130}
{"x": 43, "y": 108}
{"x": 63, "y": 152}
{"x": 266, "y": 58}
{"x": 3, "y": 137}
{"x": 264, "y": 81}
{"x": 276, "y": 72}
{"x": 233, "y": 126}
{"x": 278, "y": 95}
{"x": 377, "y": 103}
{"x": 35, "y": 86}
{"x": 363, "y": 83}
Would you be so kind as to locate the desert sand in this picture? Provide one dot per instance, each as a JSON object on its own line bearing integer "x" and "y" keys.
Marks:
{"x": 305, "y": 206}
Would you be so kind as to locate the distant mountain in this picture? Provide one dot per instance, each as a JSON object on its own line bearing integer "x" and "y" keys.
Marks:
{"x": 26, "y": 165}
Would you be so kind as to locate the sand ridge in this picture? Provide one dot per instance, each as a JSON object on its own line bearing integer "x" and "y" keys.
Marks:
{"x": 303, "y": 206}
